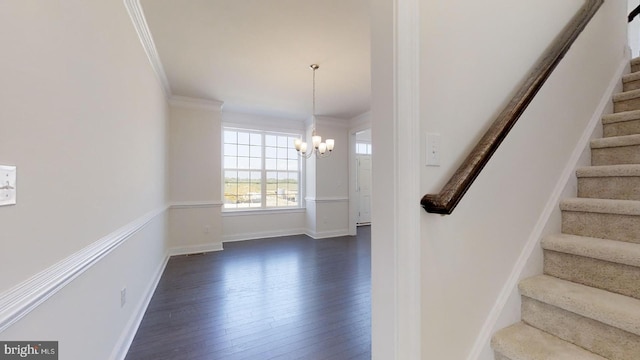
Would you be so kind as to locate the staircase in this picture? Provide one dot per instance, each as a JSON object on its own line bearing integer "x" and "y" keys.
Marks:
{"x": 587, "y": 303}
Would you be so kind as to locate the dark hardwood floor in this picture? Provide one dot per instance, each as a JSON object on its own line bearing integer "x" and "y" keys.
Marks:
{"x": 283, "y": 298}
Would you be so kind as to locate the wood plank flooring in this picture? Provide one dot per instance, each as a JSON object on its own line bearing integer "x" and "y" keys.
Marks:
{"x": 283, "y": 298}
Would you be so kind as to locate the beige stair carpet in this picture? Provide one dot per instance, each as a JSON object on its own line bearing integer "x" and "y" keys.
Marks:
{"x": 587, "y": 303}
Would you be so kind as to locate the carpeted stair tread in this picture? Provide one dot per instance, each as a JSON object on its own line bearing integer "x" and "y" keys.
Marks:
{"x": 612, "y": 309}
{"x": 601, "y": 206}
{"x": 523, "y": 342}
{"x": 616, "y": 141}
{"x": 621, "y": 170}
{"x": 631, "y": 77}
{"x": 620, "y": 252}
{"x": 626, "y": 95}
{"x": 635, "y": 61}
{"x": 621, "y": 116}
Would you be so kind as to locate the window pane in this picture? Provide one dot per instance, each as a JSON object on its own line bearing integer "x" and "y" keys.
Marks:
{"x": 230, "y": 188}
{"x": 292, "y": 154}
{"x": 292, "y": 165}
{"x": 255, "y": 151}
{"x": 270, "y": 140}
{"x": 255, "y": 164}
{"x": 243, "y": 163}
{"x": 282, "y": 153}
{"x": 230, "y": 137}
{"x": 270, "y": 164}
{"x": 256, "y": 139}
{"x": 243, "y": 150}
{"x": 230, "y": 149}
{"x": 243, "y": 138}
{"x": 270, "y": 152}
{"x": 283, "y": 141}
{"x": 282, "y": 164}
{"x": 230, "y": 162}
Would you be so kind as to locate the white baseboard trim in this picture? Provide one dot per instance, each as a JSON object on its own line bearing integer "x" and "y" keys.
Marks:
{"x": 534, "y": 239}
{"x": 20, "y": 300}
{"x": 195, "y": 249}
{"x": 261, "y": 235}
{"x": 327, "y": 234}
{"x": 129, "y": 333}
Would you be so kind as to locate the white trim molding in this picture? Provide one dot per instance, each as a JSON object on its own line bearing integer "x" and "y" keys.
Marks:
{"x": 328, "y": 199}
{"x": 20, "y": 300}
{"x": 144, "y": 34}
{"x": 327, "y": 234}
{"x": 533, "y": 241}
{"x": 407, "y": 174}
{"x": 262, "y": 235}
{"x": 126, "y": 338}
{"x": 262, "y": 212}
{"x": 195, "y": 204}
{"x": 196, "y": 103}
{"x": 195, "y": 249}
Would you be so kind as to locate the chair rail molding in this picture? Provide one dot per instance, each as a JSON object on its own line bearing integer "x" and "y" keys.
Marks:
{"x": 20, "y": 300}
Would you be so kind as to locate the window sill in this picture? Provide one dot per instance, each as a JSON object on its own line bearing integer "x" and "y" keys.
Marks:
{"x": 247, "y": 212}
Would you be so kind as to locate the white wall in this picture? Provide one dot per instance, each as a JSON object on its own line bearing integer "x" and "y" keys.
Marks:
{"x": 383, "y": 248}
{"x": 195, "y": 179}
{"x": 84, "y": 119}
{"x": 634, "y": 29}
{"x": 327, "y": 194}
{"x": 472, "y": 59}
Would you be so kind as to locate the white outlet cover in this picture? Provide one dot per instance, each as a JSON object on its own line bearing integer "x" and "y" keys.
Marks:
{"x": 7, "y": 185}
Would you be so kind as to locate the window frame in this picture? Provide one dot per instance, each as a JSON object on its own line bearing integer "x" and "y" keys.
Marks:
{"x": 264, "y": 170}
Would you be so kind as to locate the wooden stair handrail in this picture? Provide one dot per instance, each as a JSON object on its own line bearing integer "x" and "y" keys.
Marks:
{"x": 451, "y": 194}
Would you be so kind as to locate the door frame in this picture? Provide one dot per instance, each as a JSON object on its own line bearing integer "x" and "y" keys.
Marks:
{"x": 353, "y": 168}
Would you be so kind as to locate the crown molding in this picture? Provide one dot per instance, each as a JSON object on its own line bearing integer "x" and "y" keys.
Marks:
{"x": 144, "y": 34}
{"x": 195, "y": 103}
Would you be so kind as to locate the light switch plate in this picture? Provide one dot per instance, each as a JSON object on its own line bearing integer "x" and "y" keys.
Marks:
{"x": 7, "y": 185}
{"x": 433, "y": 141}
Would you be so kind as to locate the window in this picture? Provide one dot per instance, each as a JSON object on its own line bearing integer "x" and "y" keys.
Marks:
{"x": 363, "y": 148}
{"x": 261, "y": 170}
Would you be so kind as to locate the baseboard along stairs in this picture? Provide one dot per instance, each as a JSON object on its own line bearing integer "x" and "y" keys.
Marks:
{"x": 587, "y": 303}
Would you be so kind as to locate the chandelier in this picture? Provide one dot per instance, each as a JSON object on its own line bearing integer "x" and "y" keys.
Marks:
{"x": 319, "y": 148}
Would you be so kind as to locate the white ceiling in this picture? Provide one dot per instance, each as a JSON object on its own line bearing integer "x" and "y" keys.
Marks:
{"x": 254, "y": 55}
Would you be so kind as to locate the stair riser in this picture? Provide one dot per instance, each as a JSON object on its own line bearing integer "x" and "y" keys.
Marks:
{"x": 626, "y": 105}
{"x": 617, "y": 278}
{"x": 631, "y": 85}
{"x": 612, "y": 187}
{"x": 635, "y": 68}
{"x": 616, "y": 155}
{"x": 607, "y": 341}
{"x": 603, "y": 226}
{"x": 622, "y": 128}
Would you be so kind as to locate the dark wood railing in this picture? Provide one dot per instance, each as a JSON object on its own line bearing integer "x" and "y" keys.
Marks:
{"x": 634, "y": 13}
{"x": 451, "y": 194}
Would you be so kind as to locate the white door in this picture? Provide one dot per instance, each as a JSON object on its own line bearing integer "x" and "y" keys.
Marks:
{"x": 364, "y": 188}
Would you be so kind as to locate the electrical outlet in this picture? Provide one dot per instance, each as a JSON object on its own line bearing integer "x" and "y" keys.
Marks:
{"x": 123, "y": 296}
